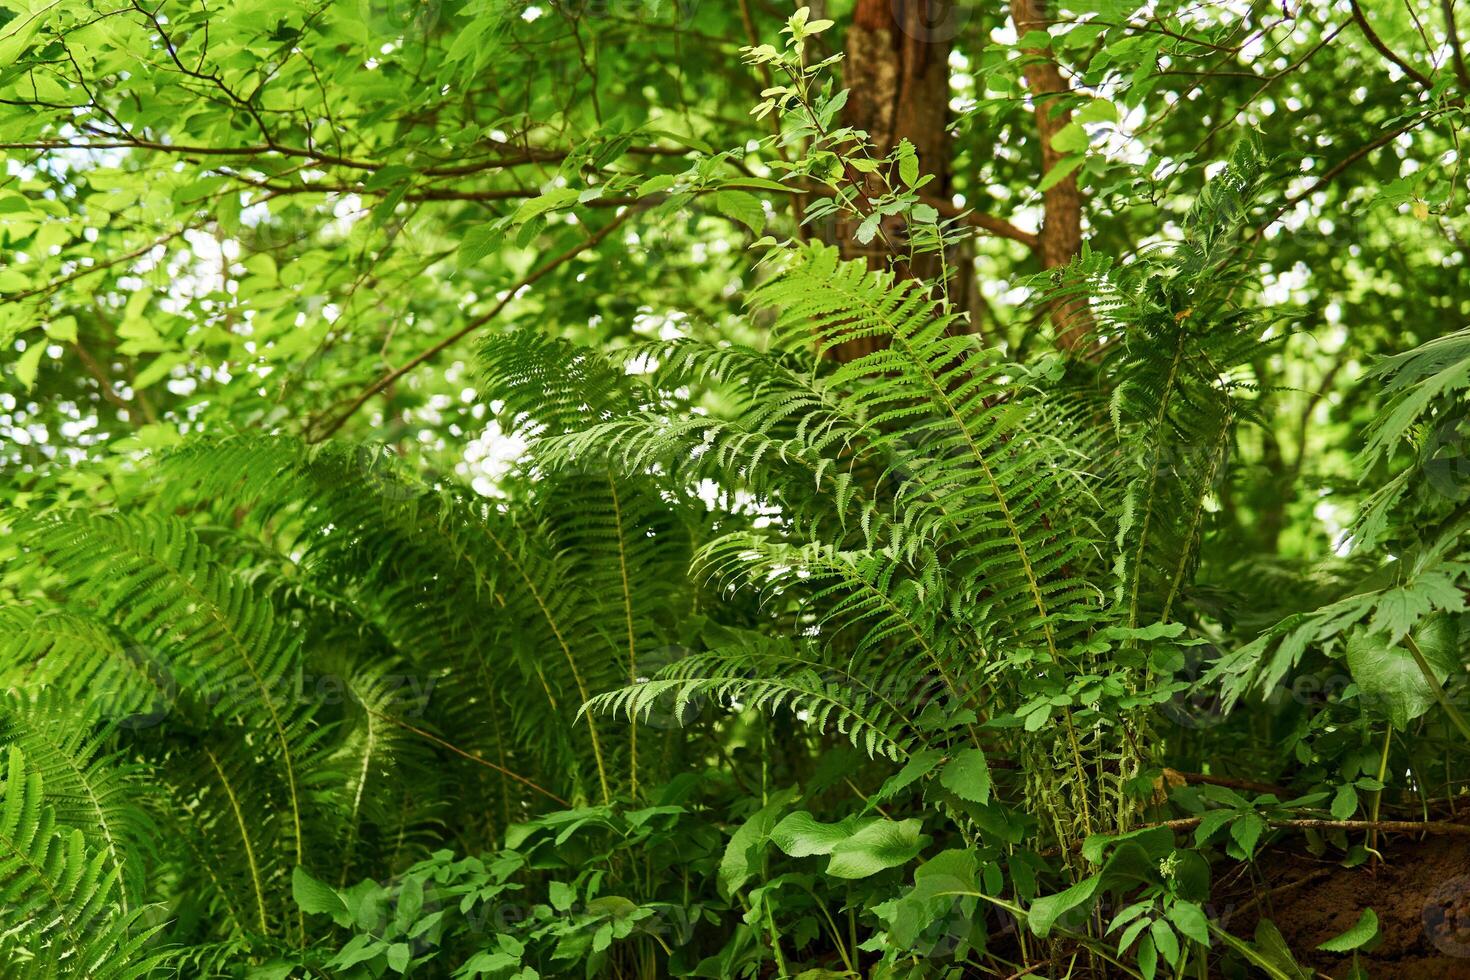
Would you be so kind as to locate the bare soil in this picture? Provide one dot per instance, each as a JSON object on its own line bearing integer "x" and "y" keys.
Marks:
{"x": 1421, "y": 893}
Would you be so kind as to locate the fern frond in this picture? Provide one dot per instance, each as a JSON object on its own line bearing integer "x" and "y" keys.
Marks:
{"x": 89, "y": 786}
{"x": 58, "y": 908}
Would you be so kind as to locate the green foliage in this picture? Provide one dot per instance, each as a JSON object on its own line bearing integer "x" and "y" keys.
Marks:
{"x": 480, "y": 503}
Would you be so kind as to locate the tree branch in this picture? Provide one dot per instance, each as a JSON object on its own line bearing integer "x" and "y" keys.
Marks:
{"x": 475, "y": 324}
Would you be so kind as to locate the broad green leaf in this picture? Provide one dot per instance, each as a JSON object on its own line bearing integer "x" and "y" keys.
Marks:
{"x": 317, "y": 898}
{"x": 398, "y": 957}
{"x": 1190, "y": 920}
{"x": 20, "y": 31}
{"x": 879, "y": 845}
{"x": 553, "y": 199}
{"x": 1165, "y": 941}
{"x": 1344, "y": 802}
{"x": 1098, "y": 110}
{"x": 742, "y": 854}
{"x": 919, "y": 765}
{"x": 1071, "y": 138}
{"x": 1390, "y": 681}
{"x": 800, "y": 834}
{"x": 1246, "y": 830}
{"x": 940, "y": 887}
{"x": 487, "y": 962}
{"x": 1045, "y": 912}
{"x": 28, "y": 365}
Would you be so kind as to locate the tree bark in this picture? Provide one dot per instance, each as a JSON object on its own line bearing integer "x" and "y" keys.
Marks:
{"x": 897, "y": 76}
{"x": 1061, "y": 228}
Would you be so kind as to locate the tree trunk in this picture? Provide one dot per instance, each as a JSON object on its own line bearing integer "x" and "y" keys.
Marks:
{"x": 1061, "y": 228}
{"x": 897, "y": 76}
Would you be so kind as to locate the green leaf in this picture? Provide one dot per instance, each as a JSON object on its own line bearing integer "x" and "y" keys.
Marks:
{"x": 550, "y": 201}
{"x": 742, "y": 854}
{"x": 1148, "y": 957}
{"x": 487, "y": 962}
{"x": 1071, "y": 138}
{"x": 63, "y": 329}
{"x": 800, "y": 834}
{"x": 28, "y": 365}
{"x": 939, "y": 884}
{"x": 19, "y": 32}
{"x": 920, "y": 764}
{"x": 481, "y": 242}
{"x": 1391, "y": 682}
{"x": 1190, "y": 920}
{"x": 1045, "y": 912}
{"x": 410, "y": 903}
{"x": 1246, "y": 831}
{"x": 1345, "y": 802}
{"x": 359, "y": 949}
{"x": 1165, "y": 941}
{"x": 742, "y": 206}
{"x": 1098, "y": 110}
{"x": 877, "y": 846}
{"x": 1362, "y": 932}
{"x": 908, "y": 163}
{"x": 317, "y": 898}
{"x": 1210, "y": 822}
{"x": 967, "y": 776}
{"x": 1059, "y": 171}
{"x": 398, "y": 957}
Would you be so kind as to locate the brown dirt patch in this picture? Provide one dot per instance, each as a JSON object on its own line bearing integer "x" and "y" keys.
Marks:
{"x": 1421, "y": 893}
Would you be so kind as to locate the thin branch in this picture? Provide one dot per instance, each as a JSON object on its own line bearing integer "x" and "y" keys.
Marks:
{"x": 1383, "y": 49}
{"x": 470, "y": 327}
{"x": 1389, "y": 826}
{"x": 1453, "y": 32}
{"x": 56, "y": 284}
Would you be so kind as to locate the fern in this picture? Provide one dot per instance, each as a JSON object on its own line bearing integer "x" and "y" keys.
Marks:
{"x": 88, "y": 786}
{"x": 60, "y": 914}
{"x": 1176, "y": 344}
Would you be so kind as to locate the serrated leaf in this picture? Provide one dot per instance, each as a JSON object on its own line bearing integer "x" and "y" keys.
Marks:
{"x": 967, "y": 776}
{"x": 1390, "y": 681}
{"x": 1345, "y": 802}
{"x": 920, "y": 764}
{"x": 742, "y": 206}
{"x": 555, "y": 198}
{"x": 1164, "y": 941}
{"x": 908, "y": 163}
{"x": 1246, "y": 831}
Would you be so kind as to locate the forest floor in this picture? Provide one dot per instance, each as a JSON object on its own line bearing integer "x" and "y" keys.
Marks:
{"x": 1420, "y": 891}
